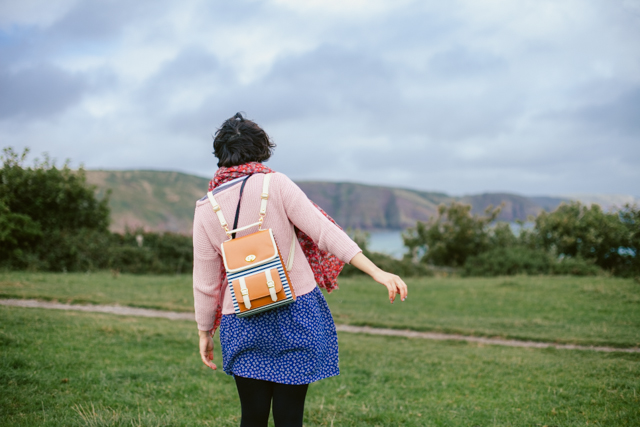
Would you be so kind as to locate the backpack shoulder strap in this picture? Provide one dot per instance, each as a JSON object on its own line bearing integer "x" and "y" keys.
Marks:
{"x": 292, "y": 249}
{"x": 218, "y": 211}
{"x": 265, "y": 194}
{"x": 263, "y": 211}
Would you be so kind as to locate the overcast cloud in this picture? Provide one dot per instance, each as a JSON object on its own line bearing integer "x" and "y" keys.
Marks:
{"x": 466, "y": 96}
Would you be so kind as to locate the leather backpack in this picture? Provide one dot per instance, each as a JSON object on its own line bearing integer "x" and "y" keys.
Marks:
{"x": 256, "y": 274}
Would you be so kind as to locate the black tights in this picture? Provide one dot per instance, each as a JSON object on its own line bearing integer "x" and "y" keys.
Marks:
{"x": 256, "y": 397}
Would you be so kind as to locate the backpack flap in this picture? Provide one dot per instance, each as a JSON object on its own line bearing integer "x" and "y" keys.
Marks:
{"x": 259, "y": 289}
{"x": 249, "y": 251}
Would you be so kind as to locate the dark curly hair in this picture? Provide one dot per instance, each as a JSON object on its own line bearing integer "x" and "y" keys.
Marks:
{"x": 240, "y": 141}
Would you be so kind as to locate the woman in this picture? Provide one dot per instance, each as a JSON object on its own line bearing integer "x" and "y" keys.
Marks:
{"x": 273, "y": 355}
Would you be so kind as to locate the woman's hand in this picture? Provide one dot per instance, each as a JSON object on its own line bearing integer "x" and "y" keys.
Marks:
{"x": 206, "y": 349}
{"x": 393, "y": 283}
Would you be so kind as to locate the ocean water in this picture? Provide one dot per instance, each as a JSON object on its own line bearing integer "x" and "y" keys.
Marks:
{"x": 387, "y": 242}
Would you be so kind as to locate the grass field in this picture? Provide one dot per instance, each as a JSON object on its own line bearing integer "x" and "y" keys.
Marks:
{"x": 70, "y": 368}
{"x": 581, "y": 310}
{"x": 161, "y": 292}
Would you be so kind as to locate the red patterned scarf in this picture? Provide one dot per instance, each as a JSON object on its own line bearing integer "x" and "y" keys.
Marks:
{"x": 326, "y": 267}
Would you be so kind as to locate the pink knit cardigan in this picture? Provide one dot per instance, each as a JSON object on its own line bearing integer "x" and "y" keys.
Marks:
{"x": 287, "y": 204}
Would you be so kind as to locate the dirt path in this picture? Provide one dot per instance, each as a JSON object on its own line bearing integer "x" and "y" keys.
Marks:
{"x": 144, "y": 312}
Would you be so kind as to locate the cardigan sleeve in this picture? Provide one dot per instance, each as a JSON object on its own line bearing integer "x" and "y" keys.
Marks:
{"x": 207, "y": 275}
{"x": 306, "y": 217}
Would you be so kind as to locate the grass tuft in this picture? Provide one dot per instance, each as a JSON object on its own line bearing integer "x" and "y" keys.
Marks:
{"x": 108, "y": 417}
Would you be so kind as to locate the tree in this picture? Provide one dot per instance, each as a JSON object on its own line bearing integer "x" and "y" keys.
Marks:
{"x": 18, "y": 233}
{"x": 630, "y": 217}
{"x": 44, "y": 211}
{"x": 576, "y": 230}
{"x": 453, "y": 236}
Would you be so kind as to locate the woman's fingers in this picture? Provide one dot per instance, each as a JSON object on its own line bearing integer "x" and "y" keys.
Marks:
{"x": 403, "y": 289}
{"x": 206, "y": 351}
{"x": 397, "y": 286}
{"x": 393, "y": 283}
{"x": 206, "y": 359}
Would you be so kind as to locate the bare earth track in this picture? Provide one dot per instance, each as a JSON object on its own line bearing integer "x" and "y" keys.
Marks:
{"x": 172, "y": 315}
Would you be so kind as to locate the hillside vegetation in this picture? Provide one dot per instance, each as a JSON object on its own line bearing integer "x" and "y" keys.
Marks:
{"x": 164, "y": 201}
{"x": 51, "y": 220}
{"x": 54, "y": 219}
{"x": 158, "y": 201}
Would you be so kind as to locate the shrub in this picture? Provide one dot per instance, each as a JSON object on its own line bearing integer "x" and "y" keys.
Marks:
{"x": 18, "y": 234}
{"x": 630, "y": 217}
{"x": 49, "y": 217}
{"x": 74, "y": 250}
{"x": 157, "y": 253}
{"x": 522, "y": 260}
{"x": 575, "y": 266}
{"x": 453, "y": 236}
{"x": 585, "y": 239}
{"x": 578, "y": 231}
{"x": 51, "y": 220}
{"x": 507, "y": 261}
{"x": 56, "y": 198}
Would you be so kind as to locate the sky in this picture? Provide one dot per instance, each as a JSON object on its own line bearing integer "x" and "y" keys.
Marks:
{"x": 534, "y": 97}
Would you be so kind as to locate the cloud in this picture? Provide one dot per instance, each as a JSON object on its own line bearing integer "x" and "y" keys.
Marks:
{"x": 39, "y": 91}
{"x": 23, "y": 13}
{"x": 106, "y": 20}
{"x": 459, "y": 61}
{"x": 464, "y": 96}
{"x": 621, "y": 117}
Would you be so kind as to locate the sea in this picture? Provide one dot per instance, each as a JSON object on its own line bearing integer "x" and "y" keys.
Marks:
{"x": 390, "y": 241}
{"x": 387, "y": 242}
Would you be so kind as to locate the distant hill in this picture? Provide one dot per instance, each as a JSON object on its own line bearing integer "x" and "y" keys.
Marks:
{"x": 606, "y": 201}
{"x": 374, "y": 207}
{"x": 154, "y": 200}
{"x": 165, "y": 201}
{"x": 515, "y": 207}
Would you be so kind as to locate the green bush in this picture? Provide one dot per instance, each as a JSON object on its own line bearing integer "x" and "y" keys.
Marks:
{"x": 507, "y": 261}
{"x": 521, "y": 260}
{"x": 18, "y": 234}
{"x": 49, "y": 217}
{"x": 575, "y": 266}
{"x": 573, "y": 239}
{"x": 166, "y": 253}
{"x": 630, "y": 217}
{"x": 453, "y": 236}
{"x": 132, "y": 259}
{"x": 608, "y": 239}
{"x": 50, "y": 220}
{"x": 56, "y": 198}
{"x": 74, "y": 250}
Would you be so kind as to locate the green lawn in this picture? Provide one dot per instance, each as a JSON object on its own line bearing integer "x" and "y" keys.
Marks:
{"x": 160, "y": 292}
{"x": 71, "y": 368}
{"x": 582, "y": 310}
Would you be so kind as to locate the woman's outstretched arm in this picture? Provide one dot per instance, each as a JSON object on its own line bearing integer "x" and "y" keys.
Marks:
{"x": 394, "y": 283}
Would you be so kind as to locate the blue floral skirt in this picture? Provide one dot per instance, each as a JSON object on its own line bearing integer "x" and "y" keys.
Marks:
{"x": 293, "y": 344}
